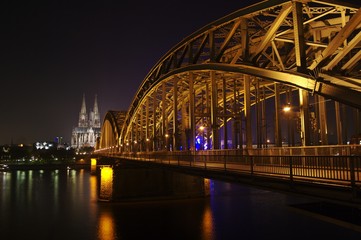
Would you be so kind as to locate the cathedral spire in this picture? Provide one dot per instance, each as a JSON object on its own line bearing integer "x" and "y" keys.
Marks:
{"x": 83, "y": 106}
{"x": 96, "y": 113}
{"x": 83, "y": 117}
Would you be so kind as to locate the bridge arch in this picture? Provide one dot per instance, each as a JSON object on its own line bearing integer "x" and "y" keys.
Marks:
{"x": 111, "y": 129}
{"x": 230, "y": 73}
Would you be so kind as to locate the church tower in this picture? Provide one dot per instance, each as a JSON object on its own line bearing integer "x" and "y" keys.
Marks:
{"x": 83, "y": 116}
{"x": 96, "y": 113}
{"x": 94, "y": 117}
{"x": 88, "y": 130}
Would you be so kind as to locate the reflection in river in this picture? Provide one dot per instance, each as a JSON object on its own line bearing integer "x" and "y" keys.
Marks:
{"x": 63, "y": 204}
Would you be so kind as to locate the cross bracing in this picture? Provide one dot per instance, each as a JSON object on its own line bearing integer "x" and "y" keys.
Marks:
{"x": 229, "y": 71}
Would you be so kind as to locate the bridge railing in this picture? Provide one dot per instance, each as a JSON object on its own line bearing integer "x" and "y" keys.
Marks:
{"x": 327, "y": 150}
{"x": 338, "y": 170}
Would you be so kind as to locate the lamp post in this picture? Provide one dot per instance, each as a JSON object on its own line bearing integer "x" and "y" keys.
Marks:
{"x": 166, "y": 141}
{"x": 287, "y": 111}
{"x": 147, "y": 144}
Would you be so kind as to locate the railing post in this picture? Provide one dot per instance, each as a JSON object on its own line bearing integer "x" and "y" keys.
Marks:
{"x": 251, "y": 163}
{"x": 352, "y": 173}
{"x": 225, "y": 162}
{"x": 291, "y": 169}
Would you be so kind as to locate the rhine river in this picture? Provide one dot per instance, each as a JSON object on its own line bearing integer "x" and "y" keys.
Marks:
{"x": 63, "y": 204}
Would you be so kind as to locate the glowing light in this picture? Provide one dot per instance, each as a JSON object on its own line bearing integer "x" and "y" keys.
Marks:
{"x": 287, "y": 108}
{"x": 207, "y": 223}
{"x": 93, "y": 165}
{"x": 106, "y": 226}
{"x": 106, "y": 183}
{"x": 93, "y": 162}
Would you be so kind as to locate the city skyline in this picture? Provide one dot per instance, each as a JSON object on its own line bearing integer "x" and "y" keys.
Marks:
{"x": 53, "y": 53}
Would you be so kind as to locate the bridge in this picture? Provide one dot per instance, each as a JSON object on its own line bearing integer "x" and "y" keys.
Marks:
{"x": 271, "y": 90}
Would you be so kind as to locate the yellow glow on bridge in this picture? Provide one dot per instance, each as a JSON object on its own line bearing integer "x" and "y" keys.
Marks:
{"x": 93, "y": 165}
{"x": 106, "y": 183}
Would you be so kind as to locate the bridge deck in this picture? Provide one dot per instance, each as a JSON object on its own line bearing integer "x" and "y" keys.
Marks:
{"x": 332, "y": 177}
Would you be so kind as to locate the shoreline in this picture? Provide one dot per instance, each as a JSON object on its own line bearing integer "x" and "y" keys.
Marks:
{"x": 48, "y": 166}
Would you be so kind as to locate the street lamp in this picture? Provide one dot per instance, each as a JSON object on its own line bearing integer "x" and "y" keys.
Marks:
{"x": 147, "y": 142}
{"x": 287, "y": 109}
{"x": 166, "y": 141}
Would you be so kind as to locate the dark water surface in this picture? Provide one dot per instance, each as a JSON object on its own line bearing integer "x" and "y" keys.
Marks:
{"x": 62, "y": 204}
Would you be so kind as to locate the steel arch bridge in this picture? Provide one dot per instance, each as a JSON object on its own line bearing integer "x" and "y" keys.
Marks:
{"x": 225, "y": 85}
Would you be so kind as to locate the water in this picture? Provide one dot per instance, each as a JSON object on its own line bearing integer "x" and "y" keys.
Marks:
{"x": 62, "y": 204}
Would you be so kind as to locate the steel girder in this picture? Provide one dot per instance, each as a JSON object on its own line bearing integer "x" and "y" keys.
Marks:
{"x": 263, "y": 41}
{"x": 111, "y": 129}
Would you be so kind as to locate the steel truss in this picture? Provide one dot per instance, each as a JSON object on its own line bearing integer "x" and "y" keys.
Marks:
{"x": 220, "y": 83}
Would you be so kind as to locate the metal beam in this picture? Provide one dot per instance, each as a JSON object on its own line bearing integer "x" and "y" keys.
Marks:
{"x": 214, "y": 110}
{"x": 327, "y": 87}
{"x": 353, "y": 43}
{"x": 227, "y": 39}
{"x": 247, "y": 110}
{"x": 298, "y": 35}
{"x": 339, "y": 39}
{"x": 286, "y": 9}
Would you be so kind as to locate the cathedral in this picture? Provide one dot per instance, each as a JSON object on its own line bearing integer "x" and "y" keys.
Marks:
{"x": 88, "y": 129}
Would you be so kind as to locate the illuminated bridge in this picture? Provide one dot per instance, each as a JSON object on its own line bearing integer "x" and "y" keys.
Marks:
{"x": 271, "y": 90}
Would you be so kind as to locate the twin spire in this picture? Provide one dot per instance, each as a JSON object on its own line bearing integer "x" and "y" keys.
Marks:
{"x": 93, "y": 120}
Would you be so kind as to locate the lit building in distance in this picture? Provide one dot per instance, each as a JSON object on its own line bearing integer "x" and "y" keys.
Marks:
{"x": 88, "y": 129}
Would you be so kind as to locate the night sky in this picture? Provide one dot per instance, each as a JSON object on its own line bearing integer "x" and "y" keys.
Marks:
{"x": 53, "y": 52}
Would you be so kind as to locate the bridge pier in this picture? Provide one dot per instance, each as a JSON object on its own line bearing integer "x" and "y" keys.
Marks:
{"x": 125, "y": 181}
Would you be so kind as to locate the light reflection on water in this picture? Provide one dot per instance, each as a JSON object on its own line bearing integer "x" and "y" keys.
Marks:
{"x": 106, "y": 226}
{"x": 63, "y": 204}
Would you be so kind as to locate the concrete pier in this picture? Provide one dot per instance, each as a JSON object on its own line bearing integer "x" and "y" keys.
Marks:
{"x": 128, "y": 182}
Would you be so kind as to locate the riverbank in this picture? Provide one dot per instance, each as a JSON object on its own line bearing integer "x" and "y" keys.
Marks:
{"x": 48, "y": 166}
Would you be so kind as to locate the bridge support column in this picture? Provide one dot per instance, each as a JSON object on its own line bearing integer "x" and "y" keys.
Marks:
{"x": 278, "y": 134}
{"x": 154, "y": 130}
{"x": 304, "y": 117}
{"x": 175, "y": 114}
{"x": 338, "y": 123}
{"x": 184, "y": 120}
{"x": 236, "y": 136}
{"x": 191, "y": 112}
{"x": 258, "y": 114}
{"x": 147, "y": 124}
{"x": 214, "y": 110}
{"x": 322, "y": 119}
{"x": 247, "y": 110}
{"x": 225, "y": 132}
{"x": 165, "y": 134}
{"x": 141, "y": 131}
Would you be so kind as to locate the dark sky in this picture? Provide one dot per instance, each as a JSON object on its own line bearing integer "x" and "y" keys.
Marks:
{"x": 53, "y": 52}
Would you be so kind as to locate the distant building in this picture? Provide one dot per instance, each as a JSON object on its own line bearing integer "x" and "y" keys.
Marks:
{"x": 88, "y": 129}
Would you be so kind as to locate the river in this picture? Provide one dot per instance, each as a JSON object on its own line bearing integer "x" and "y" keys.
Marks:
{"x": 63, "y": 204}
